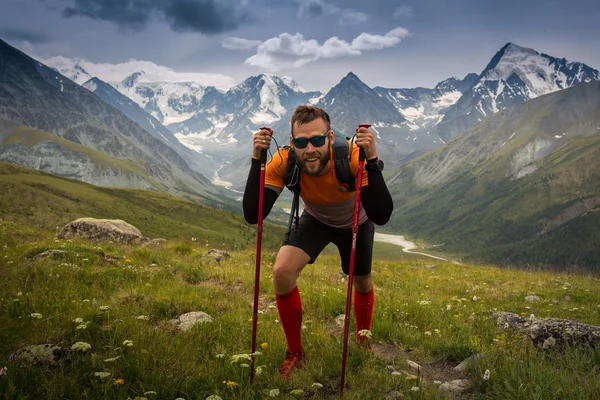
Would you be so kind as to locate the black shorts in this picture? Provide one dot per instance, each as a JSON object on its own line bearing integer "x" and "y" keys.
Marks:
{"x": 311, "y": 235}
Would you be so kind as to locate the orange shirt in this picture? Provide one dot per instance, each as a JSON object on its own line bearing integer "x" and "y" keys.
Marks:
{"x": 322, "y": 196}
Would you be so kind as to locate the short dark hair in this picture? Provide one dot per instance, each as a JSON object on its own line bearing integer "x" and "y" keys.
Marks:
{"x": 305, "y": 114}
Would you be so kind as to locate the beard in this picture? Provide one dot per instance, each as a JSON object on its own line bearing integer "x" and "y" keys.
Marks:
{"x": 314, "y": 168}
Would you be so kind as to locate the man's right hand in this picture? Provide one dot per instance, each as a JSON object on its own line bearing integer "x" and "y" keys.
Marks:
{"x": 262, "y": 141}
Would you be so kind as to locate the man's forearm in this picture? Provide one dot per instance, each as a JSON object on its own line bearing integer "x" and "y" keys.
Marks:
{"x": 252, "y": 193}
{"x": 376, "y": 199}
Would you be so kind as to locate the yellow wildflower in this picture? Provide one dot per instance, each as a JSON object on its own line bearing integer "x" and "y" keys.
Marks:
{"x": 264, "y": 345}
{"x": 231, "y": 384}
{"x": 119, "y": 381}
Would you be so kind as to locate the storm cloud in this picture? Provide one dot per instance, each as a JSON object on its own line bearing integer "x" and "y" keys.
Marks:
{"x": 24, "y": 35}
{"x": 208, "y": 17}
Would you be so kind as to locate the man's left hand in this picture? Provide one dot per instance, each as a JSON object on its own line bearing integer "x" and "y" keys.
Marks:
{"x": 366, "y": 140}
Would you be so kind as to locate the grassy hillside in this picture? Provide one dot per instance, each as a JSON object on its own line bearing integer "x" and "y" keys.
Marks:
{"x": 119, "y": 299}
{"x": 35, "y": 198}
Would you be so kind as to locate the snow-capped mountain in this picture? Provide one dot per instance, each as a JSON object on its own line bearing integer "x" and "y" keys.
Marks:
{"x": 168, "y": 102}
{"x": 515, "y": 74}
{"x": 423, "y": 107}
{"x": 228, "y": 120}
{"x": 112, "y": 96}
{"x": 77, "y": 74}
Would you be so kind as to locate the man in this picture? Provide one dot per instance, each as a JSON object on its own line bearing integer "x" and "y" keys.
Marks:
{"x": 327, "y": 217}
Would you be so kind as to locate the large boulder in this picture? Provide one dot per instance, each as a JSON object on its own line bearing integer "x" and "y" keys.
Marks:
{"x": 187, "y": 321}
{"x": 546, "y": 332}
{"x": 102, "y": 229}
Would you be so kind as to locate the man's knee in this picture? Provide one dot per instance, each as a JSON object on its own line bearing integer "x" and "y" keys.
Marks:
{"x": 363, "y": 284}
{"x": 290, "y": 261}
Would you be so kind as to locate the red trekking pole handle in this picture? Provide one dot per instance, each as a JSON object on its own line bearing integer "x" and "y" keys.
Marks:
{"x": 259, "y": 230}
{"x": 361, "y": 163}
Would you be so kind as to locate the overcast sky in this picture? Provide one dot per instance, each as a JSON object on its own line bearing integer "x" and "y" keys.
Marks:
{"x": 395, "y": 44}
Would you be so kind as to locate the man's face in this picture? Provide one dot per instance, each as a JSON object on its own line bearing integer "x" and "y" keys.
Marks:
{"x": 313, "y": 160}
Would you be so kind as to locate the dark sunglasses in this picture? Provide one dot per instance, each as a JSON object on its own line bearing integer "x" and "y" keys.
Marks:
{"x": 316, "y": 141}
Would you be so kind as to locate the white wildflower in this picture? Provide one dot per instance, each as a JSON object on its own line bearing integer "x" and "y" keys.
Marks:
{"x": 239, "y": 357}
{"x": 259, "y": 369}
{"x": 112, "y": 359}
{"x": 448, "y": 307}
{"x": 365, "y": 333}
{"x": 414, "y": 389}
{"x": 150, "y": 392}
{"x": 244, "y": 365}
{"x": 486, "y": 375}
{"x": 81, "y": 346}
{"x": 36, "y": 315}
{"x": 78, "y": 320}
{"x": 273, "y": 392}
{"x": 81, "y": 326}
{"x": 221, "y": 355}
{"x": 142, "y": 317}
{"x": 128, "y": 343}
{"x": 474, "y": 298}
{"x": 316, "y": 385}
{"x": 102, "y": 375}
{"x": 427, "y": 333}
{"x": 211, "y": 397}
{"x": 424, "y": 302}
{"x": 104, "y": 308}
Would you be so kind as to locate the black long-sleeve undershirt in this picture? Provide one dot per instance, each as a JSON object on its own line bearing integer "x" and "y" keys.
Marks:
{"x": 375, "y": 197}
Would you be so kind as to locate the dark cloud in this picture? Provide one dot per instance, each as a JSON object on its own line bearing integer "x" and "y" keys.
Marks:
{"x": 204, "y": 16}
{"x": 25, "y": 36}
{"x": 314, "y": 9}
{"x": 127, "y": 14}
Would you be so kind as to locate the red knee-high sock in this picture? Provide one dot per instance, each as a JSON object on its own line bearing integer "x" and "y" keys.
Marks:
{"x": 289, "y": 306}
{"x": 363, "y": 310}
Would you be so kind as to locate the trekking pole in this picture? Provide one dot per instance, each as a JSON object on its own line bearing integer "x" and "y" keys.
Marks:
{"x": 259, "y": 230}
{"x": 361, "y": 163}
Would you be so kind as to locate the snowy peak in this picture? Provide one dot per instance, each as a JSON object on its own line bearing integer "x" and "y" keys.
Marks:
{"x": 514, "y": 75}
{"x": 538, "y": 74}
{"x": 77, "y": 74}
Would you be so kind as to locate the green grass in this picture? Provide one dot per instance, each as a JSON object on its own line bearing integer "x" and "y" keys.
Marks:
{"x": 432, "y": 312}
{"x": 48, "y": 201}
{"x": 162, "y": 283}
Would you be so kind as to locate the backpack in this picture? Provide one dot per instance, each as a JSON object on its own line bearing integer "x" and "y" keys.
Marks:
{"x": 343, "y": 173}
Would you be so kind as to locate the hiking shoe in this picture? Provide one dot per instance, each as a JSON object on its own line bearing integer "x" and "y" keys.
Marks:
{"x": 291, "y": 362}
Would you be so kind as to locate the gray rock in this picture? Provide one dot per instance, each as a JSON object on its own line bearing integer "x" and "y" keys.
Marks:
{"x": 219, "y": 253}
{"x": 532, "y": 299}
{"x": 102, "y": 229}
{"x": 414, "y": 366}
{"x": 456, "y": 387}
{"x": 187, "y": 321}
{"x": 462, "y": 367}
{"x": 541, "y": 329}
{"x": 52, "y": 253}
{"x": 42, "y": 354}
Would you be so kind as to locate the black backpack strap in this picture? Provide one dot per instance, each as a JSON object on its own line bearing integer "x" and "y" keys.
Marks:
{"x": 342, "y": 163}
{"x": 292, "y": 172}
